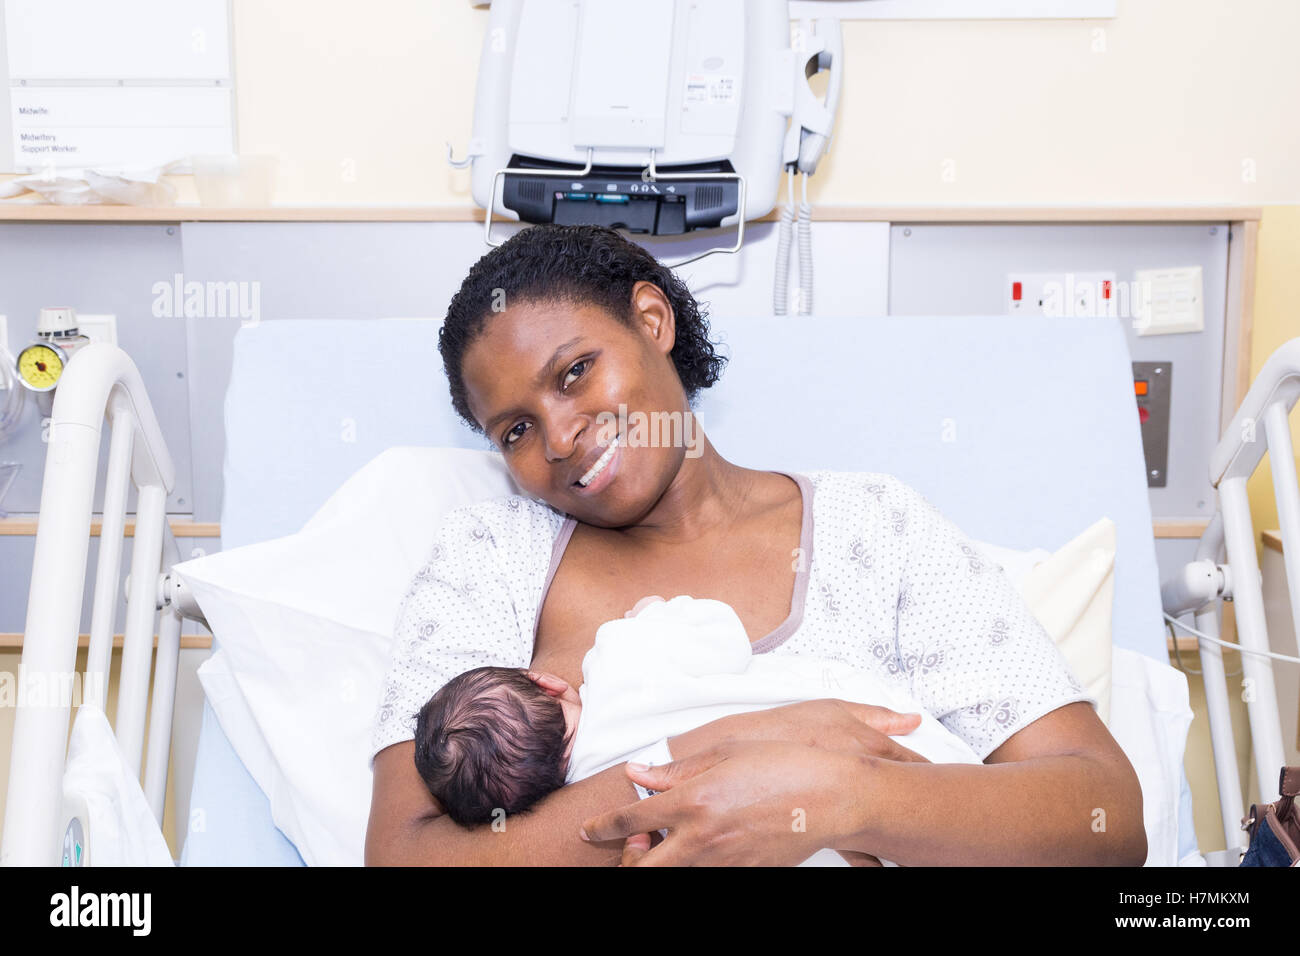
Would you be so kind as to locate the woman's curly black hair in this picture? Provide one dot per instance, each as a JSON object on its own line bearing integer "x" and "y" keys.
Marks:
{"x": 579, "y": 265}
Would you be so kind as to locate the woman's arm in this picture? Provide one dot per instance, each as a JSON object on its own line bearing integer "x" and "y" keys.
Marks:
{"x": 1059, "y": 791}
{"x": 408, "y": 827}
{"x": 1035, "y": 802}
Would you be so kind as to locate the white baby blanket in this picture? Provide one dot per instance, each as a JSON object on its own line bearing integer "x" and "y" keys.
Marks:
{"x": 682, "y": 663}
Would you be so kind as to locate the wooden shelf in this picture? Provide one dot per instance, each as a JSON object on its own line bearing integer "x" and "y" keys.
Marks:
{"x": 40, "y": 212}
{"x": 44, "y": 212}
{"x": 181, "y": 528}
{"x": 1052, "y": 214}
{"x": 1186, "y": 643}
{"x": 83, "y": 640}
{"x": 1180, "y": 527}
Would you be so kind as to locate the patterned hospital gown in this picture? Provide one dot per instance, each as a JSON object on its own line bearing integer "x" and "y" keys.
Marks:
{"x": 886, "y": 584}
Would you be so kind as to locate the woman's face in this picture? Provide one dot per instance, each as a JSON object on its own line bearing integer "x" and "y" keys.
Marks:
{"x": 546, "y": 382}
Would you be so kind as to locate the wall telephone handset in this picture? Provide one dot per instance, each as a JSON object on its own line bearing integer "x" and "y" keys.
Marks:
{"x": 815, "y": 50}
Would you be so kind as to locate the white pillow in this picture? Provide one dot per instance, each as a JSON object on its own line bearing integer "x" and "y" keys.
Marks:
{"x": 1015, "y": 563}
{"x": 117, "y": 828}
{"x": 304, "y": 625}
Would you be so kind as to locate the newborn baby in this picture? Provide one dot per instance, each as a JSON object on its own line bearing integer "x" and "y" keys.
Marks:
{"x": 491, "y": 740}
{"x": 494, "y": 740}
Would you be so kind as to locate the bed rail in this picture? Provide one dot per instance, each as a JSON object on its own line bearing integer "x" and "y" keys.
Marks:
{"x": 100, "y": 382}
{"x": 1261, "y": 424}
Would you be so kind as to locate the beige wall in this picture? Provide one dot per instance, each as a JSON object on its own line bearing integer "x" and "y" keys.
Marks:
{"x": 1163, "y": 104}
{"x": 1277, "y": 320}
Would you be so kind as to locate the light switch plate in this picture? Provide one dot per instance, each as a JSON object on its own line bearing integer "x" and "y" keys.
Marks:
{"x": 1174, "y": 301}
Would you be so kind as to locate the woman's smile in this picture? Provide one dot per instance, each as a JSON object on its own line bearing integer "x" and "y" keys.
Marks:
{"x": 600, "y": 475}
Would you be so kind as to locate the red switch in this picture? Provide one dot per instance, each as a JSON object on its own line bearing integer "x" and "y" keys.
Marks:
{"x": 1105, "y": 289}
{"x": 1017, "y": 290}
{"x": 1143, "y": 415}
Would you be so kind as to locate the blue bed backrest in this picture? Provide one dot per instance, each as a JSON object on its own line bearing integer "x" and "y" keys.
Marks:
{"x": 1023, "y": 431}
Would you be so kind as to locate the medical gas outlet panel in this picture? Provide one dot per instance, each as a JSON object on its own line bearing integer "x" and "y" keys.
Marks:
{"x": 1152, "y": 387}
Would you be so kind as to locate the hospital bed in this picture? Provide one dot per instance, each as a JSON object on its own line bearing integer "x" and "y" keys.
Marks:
{"x": 1023, "y": 431}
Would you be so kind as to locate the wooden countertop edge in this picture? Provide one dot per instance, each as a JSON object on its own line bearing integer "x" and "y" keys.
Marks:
{"x": 1186, "y": 644}
{"x": 25, "y": 525}
{"x": 845, "y": 212}
{"x": 203, "y": 641}
{"x": 200, "y": 641}
{"x": 181, "y": 528}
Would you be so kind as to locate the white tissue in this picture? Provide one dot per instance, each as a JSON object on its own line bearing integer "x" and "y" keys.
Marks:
{"x": 96, "y": 186}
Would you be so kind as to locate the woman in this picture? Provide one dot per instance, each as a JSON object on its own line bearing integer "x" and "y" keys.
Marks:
{"x": 550, "y": 337}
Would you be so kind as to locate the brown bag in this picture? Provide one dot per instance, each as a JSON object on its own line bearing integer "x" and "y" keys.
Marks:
{"x": 1275, "y": 827}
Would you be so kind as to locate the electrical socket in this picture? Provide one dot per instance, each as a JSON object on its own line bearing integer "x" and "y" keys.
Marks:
{"x": 1059, "y": 294}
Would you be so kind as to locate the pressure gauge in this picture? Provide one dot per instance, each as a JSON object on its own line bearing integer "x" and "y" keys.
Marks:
{"x": 40, "y": 365}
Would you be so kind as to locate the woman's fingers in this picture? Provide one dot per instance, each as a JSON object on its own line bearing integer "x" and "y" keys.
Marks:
{"x": 650, "y": 814}
{"x": 893, "y": 750}
{"x": 879, "y": 744}
{"x": 653, "y": 813}
{"x": 634, "y": 848}
{"x": 555, "y": 686}
{"x": 883, "y": 719}
{"x": 644, "y": 602}
{"x": 854, "y": 858}
{"x": 668, "y": 775}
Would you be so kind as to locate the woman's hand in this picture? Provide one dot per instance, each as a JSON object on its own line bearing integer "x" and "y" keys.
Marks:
{"x": 828, "y": 724}
{"x": 804, "y": 732}
{"x": 742, "y": 802}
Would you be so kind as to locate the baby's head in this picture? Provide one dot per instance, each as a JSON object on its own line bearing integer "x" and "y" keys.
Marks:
{"x": 495, "y": 739}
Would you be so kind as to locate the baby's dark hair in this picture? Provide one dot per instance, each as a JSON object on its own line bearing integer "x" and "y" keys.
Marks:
{"x": 578, "y": 265}
{"x": 490, "y": 740}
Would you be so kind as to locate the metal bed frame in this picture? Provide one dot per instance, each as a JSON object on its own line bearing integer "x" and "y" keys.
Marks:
{"x": 1201, "y": 584}
{"x": 100, "y": 382}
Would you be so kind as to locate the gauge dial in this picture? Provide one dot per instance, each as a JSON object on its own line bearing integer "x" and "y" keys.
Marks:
{"x": 40, "y": 365}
